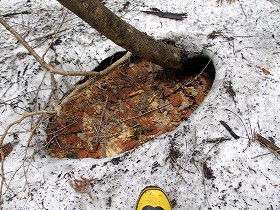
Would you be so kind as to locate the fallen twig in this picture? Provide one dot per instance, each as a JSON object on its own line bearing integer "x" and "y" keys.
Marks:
{"x": 219, "y": 140}
{"x": 74, "y": 93}
{"x": 6, "y": 131}
{"x": 49, "y": 35}
{"x": 234, "y": 135}
{"x": 266, "y": 143}
{"x": 42, "y": 62}
{"x": 170, "y": 15}
{"x": 228, "y": 1}
{"x": 16, "y": 13}
{"x": 268, "y": 153}
{"x": 56, "y": 31}
{"x": 250, "y": 137}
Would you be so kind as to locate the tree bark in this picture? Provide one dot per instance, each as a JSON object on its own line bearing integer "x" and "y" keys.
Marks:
{"x": 123, "y": 34}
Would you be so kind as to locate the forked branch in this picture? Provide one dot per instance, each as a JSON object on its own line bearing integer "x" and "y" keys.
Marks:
{"x": 42, "y": 62}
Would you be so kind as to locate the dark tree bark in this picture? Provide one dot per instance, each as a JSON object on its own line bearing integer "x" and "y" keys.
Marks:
{"x": 123, "y": 34}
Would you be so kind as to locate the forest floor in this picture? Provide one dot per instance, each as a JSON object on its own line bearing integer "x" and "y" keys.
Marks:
{"x": 217, "y": 140}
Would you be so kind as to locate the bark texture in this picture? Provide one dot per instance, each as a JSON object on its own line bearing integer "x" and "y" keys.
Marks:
{"x": 123, "y": 34}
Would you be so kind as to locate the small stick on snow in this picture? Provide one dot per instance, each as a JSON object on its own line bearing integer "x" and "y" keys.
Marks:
{"x": 266, "y": 143}
{"x": 234, "y": 135}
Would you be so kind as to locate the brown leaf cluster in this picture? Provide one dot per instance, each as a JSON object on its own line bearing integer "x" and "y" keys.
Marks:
{"x": 81, "y": 185}
{"x": 7, "y": 149}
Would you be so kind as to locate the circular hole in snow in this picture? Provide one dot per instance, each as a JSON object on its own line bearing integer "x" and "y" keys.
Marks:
{"x": 133, "y": 104}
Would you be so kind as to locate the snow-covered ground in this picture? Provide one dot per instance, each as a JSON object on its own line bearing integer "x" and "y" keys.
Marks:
{"x": 243, "y": 177}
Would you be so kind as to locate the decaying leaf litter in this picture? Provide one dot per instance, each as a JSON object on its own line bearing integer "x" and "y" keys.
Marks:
{"x": 131, "y": 105}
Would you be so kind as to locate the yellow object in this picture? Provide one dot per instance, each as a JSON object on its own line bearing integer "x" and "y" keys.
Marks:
{"x": 154, "y": 197}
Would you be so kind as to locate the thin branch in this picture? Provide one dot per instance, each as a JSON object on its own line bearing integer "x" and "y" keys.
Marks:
{"x": 247, "y": 133}
{"x": 6, "y": 131}
{"x": 49, "y": 35}
{"x": 266, "y": 143}
{"x": 78, "y": 88}
{"x": 26, "y": 115}
{"x": 241, "y": 5}
{"x": 228, "y": 1}
{"x": 52, "y": 70}
{"x": 16, "y": 13}
{"x": 268, "y": 153}
{"x": 201, "y": 72}
{"x": 42, "y": 61}
{"x": 55, "y": 34}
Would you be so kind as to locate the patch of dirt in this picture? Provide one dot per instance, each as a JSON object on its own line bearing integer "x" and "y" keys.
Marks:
{"x": 131, "y": 105}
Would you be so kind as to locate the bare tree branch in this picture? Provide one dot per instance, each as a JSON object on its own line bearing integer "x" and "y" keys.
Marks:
{"x": 125, "y": 35}
{"x": 74, "y": 93}
{"x": 6, "y": 131}
{"x": 43, "y": 63}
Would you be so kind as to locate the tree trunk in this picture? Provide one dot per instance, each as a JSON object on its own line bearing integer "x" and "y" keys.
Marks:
{"x": 123, "y": 34}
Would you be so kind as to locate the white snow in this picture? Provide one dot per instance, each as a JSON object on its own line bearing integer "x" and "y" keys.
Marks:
{"x": 243, "y": 179}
